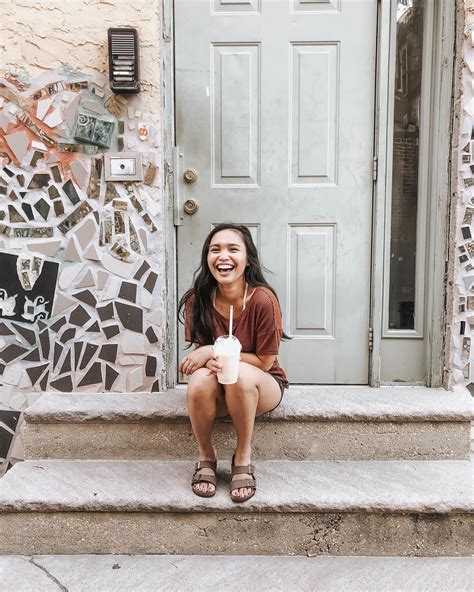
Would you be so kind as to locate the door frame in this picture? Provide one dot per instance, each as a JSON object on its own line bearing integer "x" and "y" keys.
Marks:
{"x": 438, "y": 184}
{"x": 436, "y": 158}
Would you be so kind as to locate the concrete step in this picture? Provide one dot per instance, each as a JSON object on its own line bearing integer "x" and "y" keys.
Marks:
{"x": 312, "y": 423}
{"x": 301, "y": 507}
{"x": 178, "y": 573}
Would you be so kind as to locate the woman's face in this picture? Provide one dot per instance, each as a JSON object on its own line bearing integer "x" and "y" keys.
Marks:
{"x": 227, "y": 256}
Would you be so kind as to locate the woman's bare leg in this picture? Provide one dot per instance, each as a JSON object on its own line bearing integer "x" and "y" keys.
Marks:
{"x": 204, "y": 400}
{"x": 254, "y": 393}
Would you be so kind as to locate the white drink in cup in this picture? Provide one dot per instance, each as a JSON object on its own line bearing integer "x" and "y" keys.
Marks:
{"x": 227, "y": 348}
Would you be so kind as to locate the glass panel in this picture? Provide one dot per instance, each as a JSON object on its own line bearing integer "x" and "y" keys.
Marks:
{"x": 406, "y": 135}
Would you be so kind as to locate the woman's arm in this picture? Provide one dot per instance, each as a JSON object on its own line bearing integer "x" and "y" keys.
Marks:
{"x": 264, "y": 362}
{"x": 196, "y": 359}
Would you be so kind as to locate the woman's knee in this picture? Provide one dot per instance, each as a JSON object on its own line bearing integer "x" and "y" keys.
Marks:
{"x": 246, "y": 382}
{"x": 202, "y": 385}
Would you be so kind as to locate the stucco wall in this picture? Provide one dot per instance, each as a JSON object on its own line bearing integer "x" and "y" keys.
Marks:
{"x": 43, "y": 42}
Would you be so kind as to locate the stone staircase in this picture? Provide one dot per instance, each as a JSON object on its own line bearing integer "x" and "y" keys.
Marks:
{"x": 341, "y": 471}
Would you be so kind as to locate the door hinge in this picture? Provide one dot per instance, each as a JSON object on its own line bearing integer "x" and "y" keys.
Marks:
{"x": 375, "y": 168}
{"x": 371, "y": 339}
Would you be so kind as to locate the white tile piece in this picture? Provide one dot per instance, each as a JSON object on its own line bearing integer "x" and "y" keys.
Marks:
{"x": 131, "y": 112}
{"x": 72, "y": 252}
{"x": 70, "y": 112}
{"x": 80, "y": 172}
{"x": 4, "y": 121}
{"x": 92, "y": 253}
{"x": 47, "y": 248}
{"x": 155, "y": 317}
{"x": 18, "y": 143}
{"x": 143, "y": 237}
{"x": 138, "y": 113}
{"x": 132, "y": 343}
{"x": 153, "y": 207}
{"x": 94, "y": 106}
{"x": 132, "y": 360}
{"x": 61, "y": 303}
{"x": 12, "y": 374}
{"x": 120, "y": 384}
{"x": 68, "y": 274}
{"x": 52, "y": 158}
{"x": 146, "y": 299}
{"x": 112, "y": 289}
{"x": 87, "y": 281}
{"x": 54, "y": 118}
{"x": 39, "y": 146}
{"x": 85, "y": 232}
{"x": 135, "y": 379}
{"x": 118, "y": 267}
{"x": 131, "y": 125}
{"x": 42, "y": 108}
{"x": 102, "y": 277}
{"x": 2, "y": 100}
{"x": 24, "y": 381}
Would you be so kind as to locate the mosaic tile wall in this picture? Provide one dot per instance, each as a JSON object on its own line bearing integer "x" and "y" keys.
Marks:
{"x": 80, "y": 280}
{"x": 462, "y": 346}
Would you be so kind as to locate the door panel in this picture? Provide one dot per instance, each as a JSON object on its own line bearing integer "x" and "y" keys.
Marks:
{"x": 275, "y": 110}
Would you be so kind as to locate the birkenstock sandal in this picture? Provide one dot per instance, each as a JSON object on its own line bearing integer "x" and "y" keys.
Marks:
{"x": 201, "y": 478}
{"x": 239, "y": 483}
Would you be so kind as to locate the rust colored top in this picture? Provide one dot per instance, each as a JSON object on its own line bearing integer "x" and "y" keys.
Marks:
{"x": 258, "y": 328}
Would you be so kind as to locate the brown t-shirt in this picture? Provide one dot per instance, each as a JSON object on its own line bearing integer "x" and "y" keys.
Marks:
{"x": 259, "y": 327}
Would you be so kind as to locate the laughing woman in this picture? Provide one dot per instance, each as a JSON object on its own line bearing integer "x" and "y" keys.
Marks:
{"x": 230, "y": 274}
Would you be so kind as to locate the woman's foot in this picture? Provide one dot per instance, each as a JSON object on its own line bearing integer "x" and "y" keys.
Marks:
{"x": 246, "y": 480}
{"x": 204, "y": 478}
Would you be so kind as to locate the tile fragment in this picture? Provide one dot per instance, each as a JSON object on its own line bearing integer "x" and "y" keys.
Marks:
{"x": 47, "y": 248}
{"x": 42, "y": 107}
{"x": 128, "y": 291}
{"x": 106, "y": 312}
{"x": 86, "y": 232}
{"x": 58, "y": 324}
{"x": 133, "y": 343}
{"x": 77, "y": 353}
{"x": 144, "y": 267}
{"x": 33, "y": 356}
{"x": 18, "y": 143}
{"x": 80, "y": 172}
{"x": 94, "y": 328}
{"x": 108, "y": 352}
{"x": 58, "y": 207}
{"x": 39, "y": 180}
{"x": 11, "y": 352}
{"x": 61, "y": 303}
{"x": 111, "y": 330}
{"x": 72, "y": 252}
{"x": 27, "y": 334}
{"x": 79, "y": 316}
{"x": 37, "y": 156}
{"x": 43, "y": 208}
{"x": 5, "y": 329}
{"x": 58, "y": 350}
{"x": 53, "y": 192}
{"x": 28, "y": 210}
{"x": 68, "y": 334}
{"x": 156, "y": 386}
{"x": 91, "y": 253}
{"x": 34, "y": 372}
{"x": 14, "y": 215}
{"x": 151, "y": 335}
{"x": 45, "y": 343}
{"x": 87, "y": 280}
{"x": 92, "y": 376}
{"x": 102, "y": 277}
{"x": 150, "y": 368}
{"x": 54, "y": 118}
{"x": 89, "y": 352}
{"x": 10, "y": 418}
{"x": 110, "y": 377}
{"x": 44, "y": 382}
{"x": 66, "y": 365}
{"x": 130, "y": 316}
{"x": 56, "y": 174}
{"x": 63, "y": 384}
{"x": 135, "y": 379}
{"x": 87, "y": 297}
{"x": 117, "y": 267}
{"x": 71, "y": 192}
{"x": 150, "y": 282}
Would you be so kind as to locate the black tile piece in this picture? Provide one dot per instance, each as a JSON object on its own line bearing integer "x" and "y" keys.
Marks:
{"x": 71, "y": 192}
{"x": 97, "y": 217}
{"x": 150, "y": 368}
{"x": 63, "y": 384}
{"x": 44, "y": 382}
{"x": 150, "y": 283}
{"x": 45, "y": 343}
{"x": 6, "y": 438}
{"x": 130, "y": 316}
{"x": 2, "y": 368}
{"x": 58, "y": 207}
{"x": 26, "y": 207}
{"x": 58, "y": 324}
{"x": 43, "y": 208}
{"x": 110, "y": 377}
{"x": 37, "y": 155}
{"x": 11, "y": 352}
{"x": 128, "y": 291}
{"x": 29, "y": 335}
{"x": 77, "y": 353}
{"x": 156, "y": 386}
{"x": 106, "y": 312}
{"x": 111, "y": 331}
{"x": 68, "y": 334}
{"x": 66, "y": 367}
{"x": 56, "y": 174}
{"x": 35, "y": 372}
{"x": 89, "y": 351}
{"x": 14, "y": 215}
{"x": 13, "y": 196}
{"x": 41, "y": 325}
{"x": 53, "y": 192}
{"x": 8, "y": 172}
{"x": 94, "y": 328}
{"x": 39, "y": 180}
{"x": 5, "y": 330}
{"x": 33, "y": 356}
{"x": 10, "y": 418}
{"x": 3, "y": 190}
{"x": 87, "y": 297}
{"x": 58, "y": 350}
{"x": 151, "y": 335}
{"x": 21, "y": 180}
{"x": 79, "y": 316}
{"x": 93, "y": 375}
{"x": 23, "y": 193}
{"x": 108, "y": 352}
{"x": 144, "y": 267}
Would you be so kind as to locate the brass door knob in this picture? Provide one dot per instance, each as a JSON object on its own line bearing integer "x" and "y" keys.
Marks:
{"x": 190, "y": 206}
{"x": 190, "y": 175}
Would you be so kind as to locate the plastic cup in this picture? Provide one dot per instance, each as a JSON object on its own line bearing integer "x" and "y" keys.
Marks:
{"x": 227, "y": 348}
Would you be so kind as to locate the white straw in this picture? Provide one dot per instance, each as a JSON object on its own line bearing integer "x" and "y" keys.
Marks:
{"x": 231, "y": 319}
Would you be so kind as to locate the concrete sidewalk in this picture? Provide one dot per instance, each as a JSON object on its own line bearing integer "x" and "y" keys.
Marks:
{"x": 179, "y": 573}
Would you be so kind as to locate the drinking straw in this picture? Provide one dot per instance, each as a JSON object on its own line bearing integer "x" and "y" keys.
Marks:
{"x": 231, "y": 318}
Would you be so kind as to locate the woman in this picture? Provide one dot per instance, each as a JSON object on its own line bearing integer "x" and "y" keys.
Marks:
{"x": 230, "y": 274}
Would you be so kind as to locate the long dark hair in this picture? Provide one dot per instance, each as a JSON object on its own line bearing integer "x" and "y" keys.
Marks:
{"x": 200, "y": 323}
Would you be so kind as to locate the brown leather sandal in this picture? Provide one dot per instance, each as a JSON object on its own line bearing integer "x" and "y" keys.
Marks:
{"x": 239, "y": 483}
{"x": 201, "y": 478}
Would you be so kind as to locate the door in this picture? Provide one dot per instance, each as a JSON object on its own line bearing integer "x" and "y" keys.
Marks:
{"x": 275, "y": 112}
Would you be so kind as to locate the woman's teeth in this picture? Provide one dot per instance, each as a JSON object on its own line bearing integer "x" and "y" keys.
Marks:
{"x": 224, "y": 268}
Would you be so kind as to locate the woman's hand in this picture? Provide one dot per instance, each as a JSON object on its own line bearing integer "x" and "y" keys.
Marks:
{"x": 196, "y": 359}
{"x": 213, "y": 365}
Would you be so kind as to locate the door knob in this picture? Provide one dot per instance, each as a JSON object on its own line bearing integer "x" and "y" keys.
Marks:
{"x": 190, "y": 206}
{"x": 190, "y": 175}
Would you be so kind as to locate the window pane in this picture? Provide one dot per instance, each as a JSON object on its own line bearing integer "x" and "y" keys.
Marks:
{"x": 406, "y": 136}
